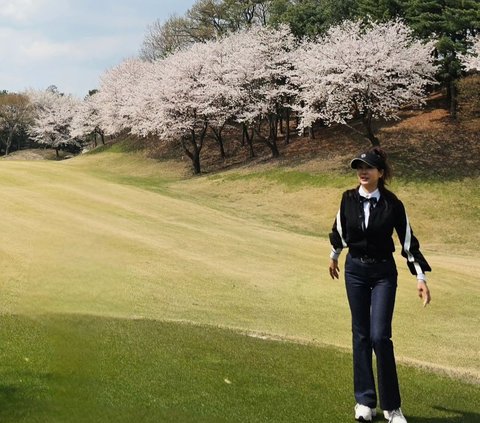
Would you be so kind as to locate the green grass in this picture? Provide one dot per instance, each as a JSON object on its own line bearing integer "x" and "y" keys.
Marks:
{"x": 291, "y": 179}
{"x": 302, "y": 199}
{"x": 59, "y": 368}
{"x": 98, "y": 252}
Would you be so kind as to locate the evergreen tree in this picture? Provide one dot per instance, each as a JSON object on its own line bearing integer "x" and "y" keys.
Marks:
{"x": 380, "y": 10}
{"x": 452, "y": 22}
{"x": 311, "y": 17}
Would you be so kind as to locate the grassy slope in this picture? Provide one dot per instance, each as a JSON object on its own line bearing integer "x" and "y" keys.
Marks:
{"x": 208, "y": 250}
{"x": 98, "y": 253}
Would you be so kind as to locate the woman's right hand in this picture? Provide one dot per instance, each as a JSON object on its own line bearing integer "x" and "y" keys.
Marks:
{"x": 333, "y": 269}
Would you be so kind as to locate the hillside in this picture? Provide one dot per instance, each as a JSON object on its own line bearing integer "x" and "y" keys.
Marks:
{"x": 299, "y": 191}
{"x": 420, "y": 145}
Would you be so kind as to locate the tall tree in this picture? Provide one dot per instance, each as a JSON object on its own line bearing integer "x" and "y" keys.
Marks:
{"x": 205, "y": 20}
{"x": 305, "y": 18}
{"x": 53, "y": 114}
{"x": 452, "y": 22}
{"x": 86, "y": 122}
{"x": 164, "y": 38}
{"x": 366, "y": 73}
{"x": 115, "y": 100}
{"x": 15, "y": 116}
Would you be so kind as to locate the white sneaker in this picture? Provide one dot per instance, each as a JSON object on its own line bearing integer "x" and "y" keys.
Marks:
{"x": 395, "y": 416}
{"x": 364, "y": 413}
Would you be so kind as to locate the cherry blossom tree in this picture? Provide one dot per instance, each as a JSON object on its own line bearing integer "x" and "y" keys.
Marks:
{"x": 255, "y": 77}
{"x": 184, "y": 99}
{"x": 218, "y": 78}
{"x": 118, "y": 89}
{"x": 262, "y": 68}
{"x": 86, "y": 120}
{"x": 172, "y": 101}
{"x": 362, "y": 72}
{"x": 185, "y": 94}
{"x": 53, "y": 114}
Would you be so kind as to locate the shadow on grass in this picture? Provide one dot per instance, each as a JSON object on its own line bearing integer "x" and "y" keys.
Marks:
{"x": 461, "y": 417}
{"x": 74, "y": 368}
{"x": 18, "y": 404}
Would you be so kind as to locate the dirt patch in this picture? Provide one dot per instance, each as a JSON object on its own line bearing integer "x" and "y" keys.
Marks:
{"x": 36, "y": 154}
{"x": 424, "y": 143}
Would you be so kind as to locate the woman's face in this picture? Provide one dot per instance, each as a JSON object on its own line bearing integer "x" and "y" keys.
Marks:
{"x": 368, "y": 176}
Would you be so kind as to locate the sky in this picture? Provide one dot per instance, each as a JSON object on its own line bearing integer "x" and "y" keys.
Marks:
{"x": 70, "y": 43}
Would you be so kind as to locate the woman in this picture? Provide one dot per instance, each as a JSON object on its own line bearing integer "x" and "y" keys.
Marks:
{"x": 365, "y": 222}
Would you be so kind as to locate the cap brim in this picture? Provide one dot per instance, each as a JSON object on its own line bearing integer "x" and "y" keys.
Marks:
{"x": 355, "y": 162}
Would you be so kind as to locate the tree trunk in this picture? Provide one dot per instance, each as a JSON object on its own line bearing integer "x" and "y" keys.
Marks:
{"x": 287, "y": 129}
{"x": 196, "y": 147}
{"x": 280, "y": 124}
{"x": 193, "y": 155}
{"x": 453, "y": 99}
{"x": 57, "y": 155}
{"x": 271, "y": 140}
{"x": 217, "y": 133}
{"x": 249, "y": 138}
{"x": 273, "y": 136}
{"x": 9, "y": 139}
{"x": 274, "y": 148}
{"x": 311, "y": 132}
{"x": 9, "y": 142}
{"x": 196, "y": 164}
{"x": 367, "y": 122}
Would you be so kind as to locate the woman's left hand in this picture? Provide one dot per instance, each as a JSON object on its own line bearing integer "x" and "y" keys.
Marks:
{"x": 423, "y": 292}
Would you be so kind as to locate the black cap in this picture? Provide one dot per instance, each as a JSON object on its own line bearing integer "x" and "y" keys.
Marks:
{"x": 370, "y": 158}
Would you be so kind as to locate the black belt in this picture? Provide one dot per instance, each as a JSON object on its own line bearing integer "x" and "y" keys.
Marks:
{"x": 372, "y": 260}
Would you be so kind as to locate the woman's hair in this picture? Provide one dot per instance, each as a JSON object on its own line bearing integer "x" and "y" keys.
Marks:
{"x": 387, "y": 169}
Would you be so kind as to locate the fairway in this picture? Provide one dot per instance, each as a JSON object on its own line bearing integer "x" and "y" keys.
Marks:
{"x": 60, "y": 368}
{"x": 128, "y": 247}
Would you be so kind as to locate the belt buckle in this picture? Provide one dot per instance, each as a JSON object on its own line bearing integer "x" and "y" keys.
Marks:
{"x": 368, "y": 260}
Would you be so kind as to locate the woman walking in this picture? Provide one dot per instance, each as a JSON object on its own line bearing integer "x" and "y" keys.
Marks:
{"x": 365, "y": 223}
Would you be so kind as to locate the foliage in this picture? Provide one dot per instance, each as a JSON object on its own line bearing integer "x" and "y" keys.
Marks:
{"x": 53, "y": 115}
{"x": 471, "y": 60}
{"x": 469, "y": 97}
{"x": 116, "y": 110}
{"x": 452, "y": 23}
{"x": 362, "y": 72}
{"x": 241, "y": 78}
{"x": 380, "y": 10}
{"x": 15, "y": 117}
{"x": 256, "y": 77}
{"x": 205, "y": 20}
{"x": 86, "y": 121}
{"x": 164, "y": 38}
{"x": 311, "y": 17}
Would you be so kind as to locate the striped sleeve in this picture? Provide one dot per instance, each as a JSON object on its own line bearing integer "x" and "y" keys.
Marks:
{"x": 416, "y": 262}
{"x": 337, "y": 236}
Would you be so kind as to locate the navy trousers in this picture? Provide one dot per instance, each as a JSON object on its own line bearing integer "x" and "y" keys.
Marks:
{"x": 371, "y": 289}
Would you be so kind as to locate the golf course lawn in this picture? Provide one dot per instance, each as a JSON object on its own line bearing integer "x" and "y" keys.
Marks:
{"x": 133, "y": 293}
